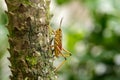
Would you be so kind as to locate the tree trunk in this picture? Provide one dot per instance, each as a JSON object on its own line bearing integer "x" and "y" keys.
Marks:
{"x": 30, "y": 53}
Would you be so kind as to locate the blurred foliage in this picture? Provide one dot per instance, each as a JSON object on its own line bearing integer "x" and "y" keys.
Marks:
{"x": 60, "y": 2}
{"x": 73, "y": 38}
{"x": 3, "y": 38}
{"x": 3, "y": 30}
{"x": 3, "y": 18}
{"x": 101, "y": 58}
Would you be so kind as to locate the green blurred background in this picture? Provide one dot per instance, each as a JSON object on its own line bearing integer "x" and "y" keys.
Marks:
{"x": 4, "y": 70}
{"x": 91, "y": 32}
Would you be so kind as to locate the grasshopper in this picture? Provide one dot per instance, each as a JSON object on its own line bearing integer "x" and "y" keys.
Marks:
{"x": 58, "y": 45}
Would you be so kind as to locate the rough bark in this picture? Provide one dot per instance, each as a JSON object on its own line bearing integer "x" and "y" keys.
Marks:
{"x": 30, "y": 55}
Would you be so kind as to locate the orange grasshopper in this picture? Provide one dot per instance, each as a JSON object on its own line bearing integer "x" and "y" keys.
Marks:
{"x": 58, "y": 45}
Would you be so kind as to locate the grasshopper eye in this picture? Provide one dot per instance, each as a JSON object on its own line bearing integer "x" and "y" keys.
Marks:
{"x": 59, "y": 29}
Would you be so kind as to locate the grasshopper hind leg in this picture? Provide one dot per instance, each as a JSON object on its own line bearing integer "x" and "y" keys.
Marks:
{"x": 60, "y": 65}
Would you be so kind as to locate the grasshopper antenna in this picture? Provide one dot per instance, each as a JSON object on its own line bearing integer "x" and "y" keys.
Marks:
{"x": 61, "y": 22}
